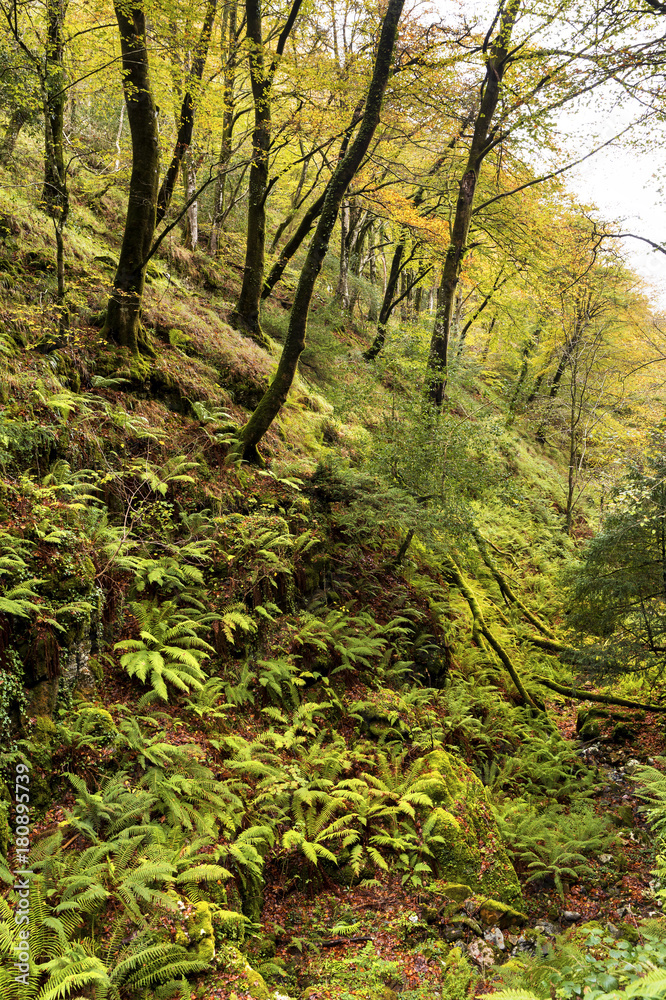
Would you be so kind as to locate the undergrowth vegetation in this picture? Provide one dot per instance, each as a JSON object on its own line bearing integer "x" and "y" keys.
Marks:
{"x": 232, "y": 684}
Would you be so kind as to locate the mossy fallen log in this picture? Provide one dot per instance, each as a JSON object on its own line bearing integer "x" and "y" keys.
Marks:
{"x": 505, "y": 587}
{"x": 603, "y": 699}
{"x": 479, "y": 623}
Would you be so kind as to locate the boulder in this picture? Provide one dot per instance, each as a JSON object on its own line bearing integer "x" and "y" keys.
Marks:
{"x": 233, "y": 961}
{"x": 496, "y": 914}
{"x": 464, "y": 836}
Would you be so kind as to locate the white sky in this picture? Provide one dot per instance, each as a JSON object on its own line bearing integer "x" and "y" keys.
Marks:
{"x": 626, "y": 182}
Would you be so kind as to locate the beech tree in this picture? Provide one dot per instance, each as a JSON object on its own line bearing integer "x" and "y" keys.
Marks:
{"x": 274, "y": 397}
{"x": 122, "y": 324}
{"x": 246, "y": 314}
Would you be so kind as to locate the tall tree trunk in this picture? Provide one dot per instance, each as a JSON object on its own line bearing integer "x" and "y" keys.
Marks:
{"x": 342, "y": 290}
{"x": 192, "y": 216}
{"x": 229, "y": 51}
{"x": 245, "y": 316}
{"x": 276, "y": 394}
{"x": 387, "y": 302}
{"x": 483, "y": 140}
{"x": 54, "y": 194}
{"x": 124, "y": 308}
{"x": 186, "y": 118}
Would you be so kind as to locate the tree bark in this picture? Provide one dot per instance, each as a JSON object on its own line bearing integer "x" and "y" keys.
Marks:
{"x": 290, "y": 248}
{"x": 192, "y": 216}
{"x": 387, "y": 306}
{"x": 122, "y": 325}
{"x": 186, "y": 117}
{"x": 276, "y": 394}
{"x": 245, "y": 316}
{"x": 398, "y": 265}
{"x": 601, "y": 699}
{"x": 482, "y": 142}
{"x": 54, "y": 194}
{"x": 229, "y": 46}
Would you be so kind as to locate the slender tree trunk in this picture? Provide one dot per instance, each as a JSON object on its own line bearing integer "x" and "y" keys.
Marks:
{"x": 342, "y": 291}
{"x": 18, "y": 119}
{"x": 290, "y": 248}
{"x": 245, "y": 316}
{"x": 185, "y": 123}
{"x": 477, "y": 312}
{"x": 229, "y": 47}
{"x": 124, "y": 308}
{"x": 192, "y": 228}
{"x": 522, "y": 375}
{"x": 276, "y": 394}
{"x": 482, "y": 142}
{"x": 54, "y": 194}
{"x": 387, "y": 302}
{"x": 373, "y": 315}
{"x": 398, "y": 266}
{"x": 296, "y": 200}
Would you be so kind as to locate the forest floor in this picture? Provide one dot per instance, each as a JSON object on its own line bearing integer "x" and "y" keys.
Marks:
{"x": 375, "y": 941}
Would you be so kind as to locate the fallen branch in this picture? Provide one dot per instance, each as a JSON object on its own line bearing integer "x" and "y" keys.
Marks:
{"x": 604, "y": 699}
{"x": 479, "y": 622}
{"x": 505, "y": 587}
{"x": 344, "y": 940}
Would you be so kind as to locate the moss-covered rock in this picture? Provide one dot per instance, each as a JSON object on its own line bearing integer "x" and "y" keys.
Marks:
{"x": 623, "y": 816}
{"x": 457, "y": 891}
{"x": 466, "y": 842}
{"x": 234, "y": 962}
{"x": 588, "y": 722}
{"x": 496, "y": 914}
{"x": 229, "y": 925}
{"x": 629, "y": 933}
{"x": 200, "y": 932}
{"x": 5, "y": 831}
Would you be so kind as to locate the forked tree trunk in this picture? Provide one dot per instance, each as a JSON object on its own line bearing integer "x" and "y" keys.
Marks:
{"x": 124, "y": 308}
{"x": 276, "y": 394}
{"x": 483, "y": 140}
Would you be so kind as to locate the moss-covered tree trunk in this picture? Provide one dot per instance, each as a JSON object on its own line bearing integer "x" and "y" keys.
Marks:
{"x": 387, "y": 302}
{"x": 276, "y": 394}
{"x": 54, "y": 193}
{"x": 483, "y": 140}
{"x": 124, "y": 308}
